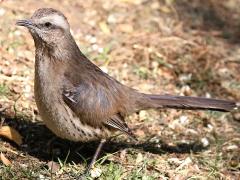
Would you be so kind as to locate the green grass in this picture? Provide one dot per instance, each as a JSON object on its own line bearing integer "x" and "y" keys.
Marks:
{"x": 3, "y": 90}
{"x": 141, "y": 72}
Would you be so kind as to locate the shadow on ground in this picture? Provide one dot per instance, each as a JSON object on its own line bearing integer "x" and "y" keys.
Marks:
{"x": 39, "y": 142}
{"x": 210, "y": 15}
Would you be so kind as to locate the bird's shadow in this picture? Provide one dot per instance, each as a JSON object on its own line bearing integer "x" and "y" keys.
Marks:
{"x": 41, "y": 143}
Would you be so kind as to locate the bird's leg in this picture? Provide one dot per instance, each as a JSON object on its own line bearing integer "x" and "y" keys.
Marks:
{"x": 95, "y": 156}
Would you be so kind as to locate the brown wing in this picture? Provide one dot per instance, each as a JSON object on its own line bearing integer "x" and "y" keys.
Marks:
{"x": 95, "y": 106}
{"x": 95, "y": 97}
{"x": 117, "y": 122}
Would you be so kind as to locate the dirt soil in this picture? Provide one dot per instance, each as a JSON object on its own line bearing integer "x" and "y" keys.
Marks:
{"x": 187, "y": 47}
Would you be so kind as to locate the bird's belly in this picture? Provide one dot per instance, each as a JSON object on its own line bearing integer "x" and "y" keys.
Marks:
{"x": 61, "y": 120}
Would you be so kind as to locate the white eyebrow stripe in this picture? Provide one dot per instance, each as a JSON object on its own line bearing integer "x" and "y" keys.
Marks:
{"x": 56, "y": 20}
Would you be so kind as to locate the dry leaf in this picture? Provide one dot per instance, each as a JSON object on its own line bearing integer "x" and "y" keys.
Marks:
{"x": 104, "y": 27}
{"x": 4, "y": 160}
{"x": 132, "y": 1}
{"x": 165, "y": 9}
{"x": 139, "y": 158}
{"x": 10, "y": 133}
{"x": 139, "y": 133}
{"x": 53, "y": 166}
{"x": 127, "y": 28}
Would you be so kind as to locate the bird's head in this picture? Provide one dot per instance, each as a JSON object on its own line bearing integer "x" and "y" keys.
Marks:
{"x": 47, "y": 26}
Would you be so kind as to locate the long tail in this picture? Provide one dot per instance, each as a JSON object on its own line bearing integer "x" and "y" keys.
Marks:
{"x": 189, "y": 102}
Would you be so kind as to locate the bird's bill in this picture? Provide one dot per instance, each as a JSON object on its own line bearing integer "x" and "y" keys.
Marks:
{"x": 25, "y": 22}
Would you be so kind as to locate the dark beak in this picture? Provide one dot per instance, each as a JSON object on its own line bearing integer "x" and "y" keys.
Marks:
{"x": 25, "y": 22}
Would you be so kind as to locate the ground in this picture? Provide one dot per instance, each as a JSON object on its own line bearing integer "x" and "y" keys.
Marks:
{"x": 155, "y": 46}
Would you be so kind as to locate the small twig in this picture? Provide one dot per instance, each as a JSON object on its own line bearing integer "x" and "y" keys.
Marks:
{"x": 2, "y": 109}
{"x": 234, "y": 61}
{"x": 14, "y": 106}
{"x": 5, "y": 149}
{"x": 2, "y": 121}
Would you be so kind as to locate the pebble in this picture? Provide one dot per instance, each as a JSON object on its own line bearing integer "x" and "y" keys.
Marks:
{"x": 205, "y": 142}
{"x": 2, "y": 11}
{"x": 95, "y": 172}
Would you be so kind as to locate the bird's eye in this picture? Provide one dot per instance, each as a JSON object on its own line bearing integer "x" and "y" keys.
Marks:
{"x": 47, "y": 24}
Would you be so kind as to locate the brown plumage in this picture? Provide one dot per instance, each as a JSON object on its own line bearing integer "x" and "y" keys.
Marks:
{"x": 77, "y": 100}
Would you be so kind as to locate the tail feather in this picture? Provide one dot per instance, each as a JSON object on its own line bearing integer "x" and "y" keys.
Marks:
{"x": 189, "y": 102}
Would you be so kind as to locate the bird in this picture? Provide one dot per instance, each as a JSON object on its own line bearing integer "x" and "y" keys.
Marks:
{"x": 76, "y": 99}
